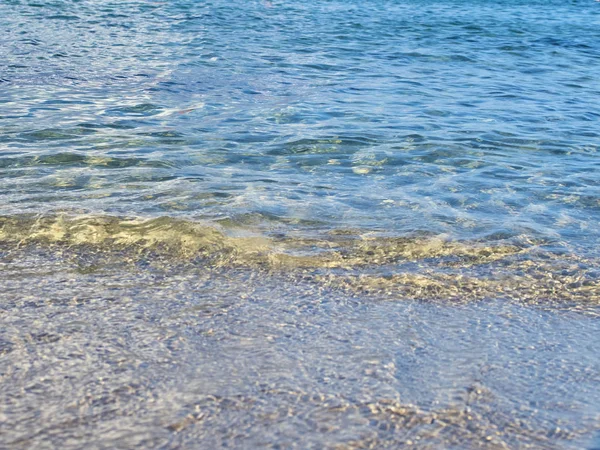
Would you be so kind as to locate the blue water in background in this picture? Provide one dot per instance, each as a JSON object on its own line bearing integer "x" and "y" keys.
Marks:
{"x": 471, "y": 118}
{"x": 278, "y": 223}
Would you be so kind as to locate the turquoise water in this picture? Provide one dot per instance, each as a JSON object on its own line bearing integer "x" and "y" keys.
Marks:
{"x": 320, "y": 224}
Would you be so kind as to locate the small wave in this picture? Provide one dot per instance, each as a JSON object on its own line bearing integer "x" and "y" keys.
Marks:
{"x": 337, "y": 249}
{"x": 354, "y": 261}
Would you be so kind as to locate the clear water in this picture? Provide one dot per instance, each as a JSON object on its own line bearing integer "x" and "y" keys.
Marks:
{"x": 312, "y": 224}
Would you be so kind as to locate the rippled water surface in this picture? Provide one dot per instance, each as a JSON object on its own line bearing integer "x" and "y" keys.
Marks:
{"x": 333, "y": 224}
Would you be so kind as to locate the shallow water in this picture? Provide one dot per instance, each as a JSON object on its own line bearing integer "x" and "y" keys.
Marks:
{"x": 327, "y": 224}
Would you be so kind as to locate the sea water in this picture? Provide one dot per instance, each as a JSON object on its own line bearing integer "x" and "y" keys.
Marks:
{"x": 299, "y": 224}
